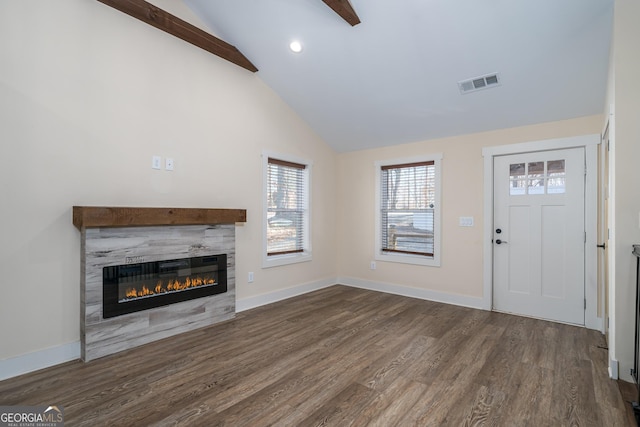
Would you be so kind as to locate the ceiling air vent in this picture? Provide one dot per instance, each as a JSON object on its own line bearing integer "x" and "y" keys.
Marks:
{"x": 479, "y": 83}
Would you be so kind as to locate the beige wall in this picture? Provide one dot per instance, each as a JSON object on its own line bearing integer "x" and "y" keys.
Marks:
{"x": 626, "y": 160}
{"x": 87, "y": 96}
{"x": 461, "y": 270}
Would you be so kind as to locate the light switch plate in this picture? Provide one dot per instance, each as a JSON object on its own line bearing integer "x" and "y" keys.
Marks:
{"x": 155, "y": 162}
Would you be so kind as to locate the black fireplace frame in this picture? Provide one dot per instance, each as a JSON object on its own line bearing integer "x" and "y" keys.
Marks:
{"x": 112, "y": 307}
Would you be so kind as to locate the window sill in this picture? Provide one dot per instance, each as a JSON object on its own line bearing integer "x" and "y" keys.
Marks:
{"x": 278, "y": 260}
{"x": 409, "y": 259}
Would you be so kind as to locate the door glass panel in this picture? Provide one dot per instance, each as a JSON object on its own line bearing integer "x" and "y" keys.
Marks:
{"x": 517, "y": 179}
{"x": 536, "y": 178}
{"x": 556, "y": 176}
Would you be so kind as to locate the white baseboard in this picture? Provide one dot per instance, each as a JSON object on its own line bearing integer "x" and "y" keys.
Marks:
{"x": 425, "y": 294}
{"x": 613, "y": 369}
{"x": 64, "y": 353}
{"x": 264, "y": 299}
{"x": 39, "y": 360}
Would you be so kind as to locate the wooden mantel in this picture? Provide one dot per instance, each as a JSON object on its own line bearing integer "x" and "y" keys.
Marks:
{"x": 100, "y": 216}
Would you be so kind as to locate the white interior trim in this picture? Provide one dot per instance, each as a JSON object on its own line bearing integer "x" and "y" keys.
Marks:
{"x": 50, "y": 357}
{"x": 611, "y": 250}
{"x": 591, "y": 319}
{"x": 271, "y": 297}
{"x": 613, "y": 369}
{"x": 602, "y": 237}
{"x": 424, "y": 294}
{"x": 286, "y": 259}
{"x": 589, "y": 143}
{"x": 40, "y": 359}
{"x": 437, "y": 237}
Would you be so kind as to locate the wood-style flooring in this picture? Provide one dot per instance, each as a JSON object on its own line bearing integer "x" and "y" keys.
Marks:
{"x": 343, "y": 356}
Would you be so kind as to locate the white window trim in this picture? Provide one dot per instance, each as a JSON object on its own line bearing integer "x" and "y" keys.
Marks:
{"x": 379, "y": 255}
{"x": 286, "y": 259}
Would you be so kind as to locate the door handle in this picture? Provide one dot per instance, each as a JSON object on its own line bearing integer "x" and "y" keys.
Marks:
{"x": 499, "y": 242}
{"x": 603, "y": 246}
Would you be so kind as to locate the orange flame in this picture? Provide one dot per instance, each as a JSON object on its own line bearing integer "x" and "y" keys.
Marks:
{"x": 171, "y": 286}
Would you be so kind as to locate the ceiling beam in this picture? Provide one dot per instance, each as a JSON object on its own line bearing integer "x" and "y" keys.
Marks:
{"x": 345, "y": 10}
{"x": 175, "y": 26}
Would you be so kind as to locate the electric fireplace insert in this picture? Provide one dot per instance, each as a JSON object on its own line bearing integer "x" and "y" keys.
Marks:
{"x": 140, "y": 286}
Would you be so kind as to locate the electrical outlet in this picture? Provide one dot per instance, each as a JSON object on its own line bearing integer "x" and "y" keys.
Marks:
{"x": 372, "y": 265}
{"x": 168, "y": 164}
{"x": 250, "y": 277}
{"x": 466, "y": 221}
{"x": 155, "y": 162}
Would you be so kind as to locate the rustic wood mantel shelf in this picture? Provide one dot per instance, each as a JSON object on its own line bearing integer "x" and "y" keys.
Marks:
{"x": 100, "y": 216}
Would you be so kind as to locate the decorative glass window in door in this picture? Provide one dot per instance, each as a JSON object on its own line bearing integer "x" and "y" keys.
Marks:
{"x": 544, "y": 177}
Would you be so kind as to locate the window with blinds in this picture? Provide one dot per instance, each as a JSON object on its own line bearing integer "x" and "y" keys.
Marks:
{"x": 407, "y": 211}
{"x": 286, "y": 209}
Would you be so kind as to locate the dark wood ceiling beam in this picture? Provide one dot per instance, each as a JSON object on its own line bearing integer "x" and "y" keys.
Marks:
{"x": 345, "y": 10}
{"x": 175, "y": 26}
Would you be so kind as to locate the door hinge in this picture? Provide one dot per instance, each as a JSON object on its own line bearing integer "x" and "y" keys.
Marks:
{"x": 585, "y": 303}
{"x": 585, "y": 237}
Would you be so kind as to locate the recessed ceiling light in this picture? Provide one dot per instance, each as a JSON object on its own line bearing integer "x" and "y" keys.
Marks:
{"x": 295, "y": 46}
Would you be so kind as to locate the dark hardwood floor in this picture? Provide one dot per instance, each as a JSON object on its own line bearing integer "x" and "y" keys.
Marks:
{"x": 344, "y": 356}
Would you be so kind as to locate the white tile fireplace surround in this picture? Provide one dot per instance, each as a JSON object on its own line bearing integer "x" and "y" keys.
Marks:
{"x": 116, "y": 236}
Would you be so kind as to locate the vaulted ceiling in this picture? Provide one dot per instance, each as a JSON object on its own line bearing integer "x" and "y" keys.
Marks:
{"x": 393, "y": 77}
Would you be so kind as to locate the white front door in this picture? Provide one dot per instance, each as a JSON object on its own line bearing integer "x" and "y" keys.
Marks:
{"x": 539, "y": 235}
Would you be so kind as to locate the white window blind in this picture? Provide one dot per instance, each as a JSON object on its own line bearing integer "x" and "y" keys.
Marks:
{"x": 407, "y": 208}
{"x": 286, "y": 207}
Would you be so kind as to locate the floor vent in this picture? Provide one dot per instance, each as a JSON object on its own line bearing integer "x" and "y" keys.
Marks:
{"x": 479, "y": 83}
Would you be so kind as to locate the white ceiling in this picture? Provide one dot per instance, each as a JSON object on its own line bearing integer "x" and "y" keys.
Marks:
{"x": 393, "y": 78}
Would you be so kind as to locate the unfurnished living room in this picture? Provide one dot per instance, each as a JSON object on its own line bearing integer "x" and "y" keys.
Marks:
{"x": 319, "y": 212}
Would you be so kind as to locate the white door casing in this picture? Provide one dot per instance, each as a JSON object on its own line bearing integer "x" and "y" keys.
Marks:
{"x": 539, "y": 236}
{"x": 590, "y": 144}
{"x": 603, "y": 231}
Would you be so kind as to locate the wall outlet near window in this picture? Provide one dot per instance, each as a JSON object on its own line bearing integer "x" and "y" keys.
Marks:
{"x": 250, "y": 277}
{"x": 466, "y": 221}
{"x": 372, "y": 265}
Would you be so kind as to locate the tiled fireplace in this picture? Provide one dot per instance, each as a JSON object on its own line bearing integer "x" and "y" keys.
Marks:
{"x": 150, "y": 273}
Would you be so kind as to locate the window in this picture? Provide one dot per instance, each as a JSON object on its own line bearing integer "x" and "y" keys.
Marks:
{"x": 537, "y": 178}
{"x": 286, "y": 219}
{"x": 408, "y": 211}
